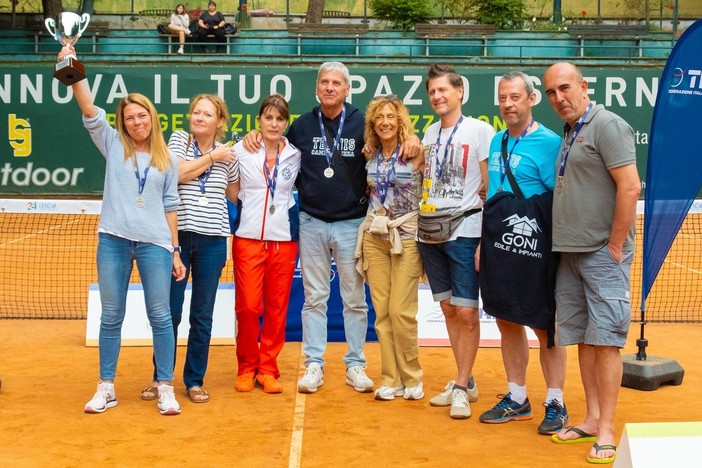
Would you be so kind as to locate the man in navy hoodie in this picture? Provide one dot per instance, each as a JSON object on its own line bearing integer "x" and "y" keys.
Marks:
{"x": 332, "y": 188}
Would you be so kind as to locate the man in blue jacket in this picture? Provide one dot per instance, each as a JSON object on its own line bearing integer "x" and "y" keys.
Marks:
{"x": 332, "y": 188}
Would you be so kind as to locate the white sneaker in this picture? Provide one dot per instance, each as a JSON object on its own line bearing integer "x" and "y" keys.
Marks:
{"x": 389, "y": 393}
{"x": 444, "y": 398}
{"x": 414, "y": 393}
{"x": 460, "y": 409}
{"x": 472, "y": 391}
{"x": 103, "y": 399}
{"x": 180, "y": 51}
{"x": 357, "y": 378}
{"x": 167, "y": 403}
{"x": 313, "y": 378}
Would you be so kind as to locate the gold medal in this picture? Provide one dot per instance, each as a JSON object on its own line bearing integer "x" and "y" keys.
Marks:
{"x": 560, "y": 184}
{"x": 140, "y": 202}
{"x": 380, "y": 212}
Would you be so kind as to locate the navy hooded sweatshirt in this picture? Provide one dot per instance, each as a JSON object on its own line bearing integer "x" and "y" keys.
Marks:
{"x": 337, "y": 198}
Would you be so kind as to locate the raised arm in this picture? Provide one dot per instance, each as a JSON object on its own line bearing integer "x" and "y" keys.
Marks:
{"x": 80, "y": 90}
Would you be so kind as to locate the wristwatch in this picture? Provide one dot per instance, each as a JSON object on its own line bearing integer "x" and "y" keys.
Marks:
{"x": 176, "y": 248}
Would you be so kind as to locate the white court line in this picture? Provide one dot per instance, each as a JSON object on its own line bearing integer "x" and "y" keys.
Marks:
{"x": 298, "y": 425}
{"x": 38, "y": 233}
{"x": 679, "y": 265}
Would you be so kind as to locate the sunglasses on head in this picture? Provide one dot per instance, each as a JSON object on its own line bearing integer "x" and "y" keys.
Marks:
{"x": 389, "y": 97}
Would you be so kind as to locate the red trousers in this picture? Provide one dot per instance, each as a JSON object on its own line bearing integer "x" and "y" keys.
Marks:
{"x": 263, "y": 274}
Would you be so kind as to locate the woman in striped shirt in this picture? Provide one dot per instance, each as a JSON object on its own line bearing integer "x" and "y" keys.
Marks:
{"x": 207, "y": 176}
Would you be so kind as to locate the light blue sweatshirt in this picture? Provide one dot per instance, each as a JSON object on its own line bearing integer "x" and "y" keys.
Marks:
{"x": 120, "y": 215}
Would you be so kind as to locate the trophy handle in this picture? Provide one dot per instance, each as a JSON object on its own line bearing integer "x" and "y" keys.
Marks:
{"x": 50, "y": 26}
{"x": 85, "y": 19}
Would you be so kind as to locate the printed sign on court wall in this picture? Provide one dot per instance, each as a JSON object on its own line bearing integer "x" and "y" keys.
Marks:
{"x": 38, "y": 115}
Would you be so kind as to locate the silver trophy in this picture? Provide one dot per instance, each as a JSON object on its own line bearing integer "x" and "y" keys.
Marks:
{"x": 69, "y": 28}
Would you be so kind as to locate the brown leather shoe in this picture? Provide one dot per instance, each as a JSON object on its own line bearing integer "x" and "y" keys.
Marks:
{"x": 245, "y": 382}
{"x": 269, "y": 383}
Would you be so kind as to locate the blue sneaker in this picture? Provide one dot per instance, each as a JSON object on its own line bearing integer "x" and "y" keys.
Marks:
{"x": 556, "y": 418}
{"x": 507, "y": 410}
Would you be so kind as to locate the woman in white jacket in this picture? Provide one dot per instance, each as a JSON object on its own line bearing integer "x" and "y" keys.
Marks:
{"x": 265, "y": 248}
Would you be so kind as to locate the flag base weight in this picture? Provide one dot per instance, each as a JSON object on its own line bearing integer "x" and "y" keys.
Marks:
{"x": 649, "y": 374}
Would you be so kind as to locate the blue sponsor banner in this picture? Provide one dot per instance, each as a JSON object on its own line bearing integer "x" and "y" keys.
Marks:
{"x": 335, "y": 319}
{"x": 673, "y": 175}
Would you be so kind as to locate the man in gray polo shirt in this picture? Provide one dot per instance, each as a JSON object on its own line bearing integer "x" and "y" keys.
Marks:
{"x": 594, "y": 210}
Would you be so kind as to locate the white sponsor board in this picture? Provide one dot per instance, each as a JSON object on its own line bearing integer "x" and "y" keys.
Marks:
{"x": 432, "y": 324}
{"x": 136, "y": 330}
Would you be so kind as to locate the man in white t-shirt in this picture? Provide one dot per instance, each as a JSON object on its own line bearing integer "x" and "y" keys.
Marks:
{"x": 456, "y": 169}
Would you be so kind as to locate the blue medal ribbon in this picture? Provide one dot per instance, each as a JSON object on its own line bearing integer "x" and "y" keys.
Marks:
{"x": 141, "y": 182}
{"x": 202, "y": 178}
{"x": 504, "y": 161}
{"x": 566, "y": 149}
{"x": 384, "y": 182}
{"x": 329, "y": 155}
{"x": 272, "y": 180}
{"x": 446, "y": 149}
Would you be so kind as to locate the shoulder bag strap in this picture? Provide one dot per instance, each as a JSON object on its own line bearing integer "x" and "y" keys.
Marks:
{"x": 505, "y": 158}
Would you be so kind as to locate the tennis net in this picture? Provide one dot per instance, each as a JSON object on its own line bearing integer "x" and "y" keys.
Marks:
{"x": 47, "y": 260}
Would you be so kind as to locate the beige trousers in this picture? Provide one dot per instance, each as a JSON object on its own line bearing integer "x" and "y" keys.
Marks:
{"x": 393, "y": 281}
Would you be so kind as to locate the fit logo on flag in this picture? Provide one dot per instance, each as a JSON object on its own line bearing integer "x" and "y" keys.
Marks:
{"x": 686, "y": 81}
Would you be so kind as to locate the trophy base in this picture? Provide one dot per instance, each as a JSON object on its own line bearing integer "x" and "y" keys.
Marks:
{"x": 69, "y": 70}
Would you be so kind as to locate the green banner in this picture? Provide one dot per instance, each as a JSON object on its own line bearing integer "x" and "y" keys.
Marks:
{"x": 44, "y": 149}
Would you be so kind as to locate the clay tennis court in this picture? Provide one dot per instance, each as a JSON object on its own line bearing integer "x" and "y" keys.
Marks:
{"x": 48, "y": 375}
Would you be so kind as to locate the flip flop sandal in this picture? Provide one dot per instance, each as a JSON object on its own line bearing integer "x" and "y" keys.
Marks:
{"x": 582, "y": 437}
{"x": 598, "y": 448}
{"x": 150, "y": 393}
{"x": 195, "y": 392}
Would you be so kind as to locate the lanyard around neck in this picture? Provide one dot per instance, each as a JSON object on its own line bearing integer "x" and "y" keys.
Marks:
{"x": 202, "y": 178}
{"x": 506, "y": 157}
{"x": 271, "y": 180}
{"x": 141, "y": 182}
{"x": 384, "y": 182}
{"x": 566, "y": 149}
{"x": 440, "y": 162}
{"x": 325, "y": 147}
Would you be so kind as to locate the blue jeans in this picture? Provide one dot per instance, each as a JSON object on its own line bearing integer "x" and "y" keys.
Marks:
{"x": 450, "y": 267}
{"x": 115, "y": 257}
{"x": 203, "y": 257}
{"x": 319, "y": 242}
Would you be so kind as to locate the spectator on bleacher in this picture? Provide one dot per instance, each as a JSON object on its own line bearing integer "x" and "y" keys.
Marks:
{"x": 265, "y": 248}
{"x": 207, "y": 176}
{"x": 180, "y": 25}
{"x": 211, "y": 22}
{"x": 138, "y": 223}
{"x": 386, "y": 248}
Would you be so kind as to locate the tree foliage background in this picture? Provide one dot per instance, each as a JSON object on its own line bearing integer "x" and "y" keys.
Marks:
{"x": 504, "y": 14}
{"x": 401, "y": 14}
